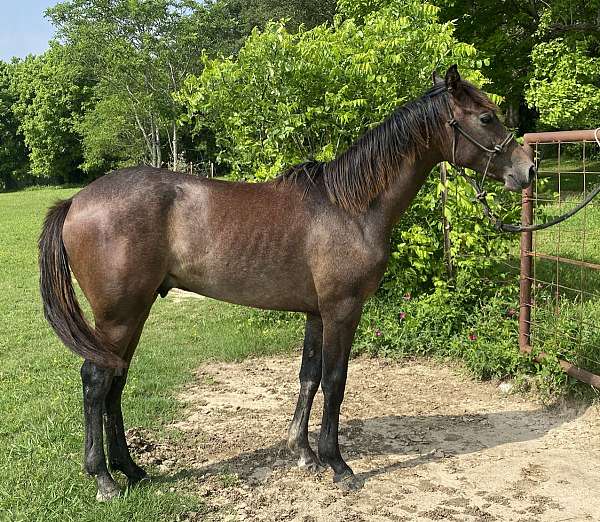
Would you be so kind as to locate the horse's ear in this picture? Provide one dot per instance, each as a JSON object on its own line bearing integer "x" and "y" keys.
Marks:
{"x": 452, "y": 78}
{"x": 436, "y": 78}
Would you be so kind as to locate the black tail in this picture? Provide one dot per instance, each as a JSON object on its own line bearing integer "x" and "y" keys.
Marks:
{"x": 60, "y": 302}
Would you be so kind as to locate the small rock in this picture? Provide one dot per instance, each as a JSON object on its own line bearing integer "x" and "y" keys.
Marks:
{"x": 438, "y": 454}
{"x": 506, "y": 386}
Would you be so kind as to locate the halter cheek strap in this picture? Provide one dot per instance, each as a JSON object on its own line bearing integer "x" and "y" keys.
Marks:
{"x": 498, "y": 148}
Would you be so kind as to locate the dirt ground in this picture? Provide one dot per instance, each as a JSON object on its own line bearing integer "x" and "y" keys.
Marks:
{"x": 431, "y": 444}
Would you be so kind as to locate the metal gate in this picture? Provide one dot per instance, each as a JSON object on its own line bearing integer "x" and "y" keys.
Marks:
{"x": 560, "y": 266}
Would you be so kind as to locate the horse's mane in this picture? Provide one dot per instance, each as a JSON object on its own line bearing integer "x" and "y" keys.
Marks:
{"x": 355, "y": 178}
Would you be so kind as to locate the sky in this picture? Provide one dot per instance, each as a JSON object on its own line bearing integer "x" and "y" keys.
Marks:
{"x": 23, "y": 28}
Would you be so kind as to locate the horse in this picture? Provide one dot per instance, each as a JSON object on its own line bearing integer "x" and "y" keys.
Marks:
{"x": 314, "y": 240}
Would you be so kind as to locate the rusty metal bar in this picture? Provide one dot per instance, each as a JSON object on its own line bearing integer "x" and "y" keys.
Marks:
{"x": 526, "y": 262}
{"x": 570, "y": 369}
{"x": 560, "y": 136}
{"x": 558, "y": 259}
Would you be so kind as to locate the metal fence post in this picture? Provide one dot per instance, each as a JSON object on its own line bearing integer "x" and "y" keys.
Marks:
{"x": 526, "y": 264}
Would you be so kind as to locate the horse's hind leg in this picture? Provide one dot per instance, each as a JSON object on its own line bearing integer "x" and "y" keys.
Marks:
{"x": 118, "y": 452}
{"x": 310, "y": 377}
{"x": 119, "y": 458}
{"x": 96, "y": 384}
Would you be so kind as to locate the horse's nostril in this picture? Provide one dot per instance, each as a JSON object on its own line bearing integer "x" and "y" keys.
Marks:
{"x": 532, "y": 173}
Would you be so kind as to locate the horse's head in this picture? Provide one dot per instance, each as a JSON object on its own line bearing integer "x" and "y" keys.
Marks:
{"x": 476, "y": 137}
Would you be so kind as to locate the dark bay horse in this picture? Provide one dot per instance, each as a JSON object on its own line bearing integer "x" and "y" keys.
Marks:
{"x": 315, "y": 240}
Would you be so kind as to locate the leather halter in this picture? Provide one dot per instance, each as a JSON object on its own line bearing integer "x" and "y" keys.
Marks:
{"x": 498, "y": 148}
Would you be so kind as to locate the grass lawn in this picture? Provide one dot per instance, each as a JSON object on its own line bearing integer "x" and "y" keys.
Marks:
{"x": 41, "y": 428}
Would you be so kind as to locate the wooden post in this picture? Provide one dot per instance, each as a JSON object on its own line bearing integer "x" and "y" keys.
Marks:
{"x": 445, "y": 222}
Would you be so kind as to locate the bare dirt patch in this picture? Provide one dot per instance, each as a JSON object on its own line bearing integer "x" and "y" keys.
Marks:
{"x": 430, "y": 443}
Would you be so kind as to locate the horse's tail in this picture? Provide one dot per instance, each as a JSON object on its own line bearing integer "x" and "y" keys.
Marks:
{"x": 61, "y": 308}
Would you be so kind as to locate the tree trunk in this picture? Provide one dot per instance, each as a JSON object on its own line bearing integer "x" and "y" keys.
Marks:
{"x": 175, "y": 151}
{"x": 158, "y": 151}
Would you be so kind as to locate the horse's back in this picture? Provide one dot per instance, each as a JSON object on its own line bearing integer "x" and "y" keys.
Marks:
{"x": 147, "y": 230}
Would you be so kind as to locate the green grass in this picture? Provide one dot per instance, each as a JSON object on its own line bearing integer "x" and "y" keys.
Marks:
{"x": 41, "y": 431}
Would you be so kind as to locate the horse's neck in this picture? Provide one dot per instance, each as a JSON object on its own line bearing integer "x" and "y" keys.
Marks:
{"x": 393, "y": 202}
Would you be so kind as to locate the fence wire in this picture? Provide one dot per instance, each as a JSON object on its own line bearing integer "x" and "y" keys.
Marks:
{"x": 564, "y": 305}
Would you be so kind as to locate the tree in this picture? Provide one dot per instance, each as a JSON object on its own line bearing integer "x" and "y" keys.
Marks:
{"x": 138, "y": 53}
{"x": 51, "y": 95}
{"x": 565, "y": 82}
{"x": 286, "y": 97}
{"x": 13, "y": 153}
{"x": 308, "y": 13}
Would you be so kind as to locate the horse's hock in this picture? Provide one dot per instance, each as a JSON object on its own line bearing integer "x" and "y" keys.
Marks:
{"x": 560, "y": 266}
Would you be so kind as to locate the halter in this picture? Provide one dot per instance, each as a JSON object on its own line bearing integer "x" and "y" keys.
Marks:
{"x": 491, "y": 153}
{"x": 480, "y": 193}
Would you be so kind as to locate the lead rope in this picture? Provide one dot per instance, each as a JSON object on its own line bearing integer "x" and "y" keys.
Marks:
{"x": 499, "y": 225}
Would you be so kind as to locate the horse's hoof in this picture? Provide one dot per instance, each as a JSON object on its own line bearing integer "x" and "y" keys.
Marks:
{"x": 107, "y": 494}
{"x": 139, "y": 481}
{"x": 348, "y": 481}
{"x": 311, "y": 465}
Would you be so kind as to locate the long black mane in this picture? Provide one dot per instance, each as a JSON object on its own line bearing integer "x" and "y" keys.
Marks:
{"x": 355, "y": 178}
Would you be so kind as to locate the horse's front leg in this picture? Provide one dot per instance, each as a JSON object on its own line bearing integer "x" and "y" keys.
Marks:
{"x": 339, "y": 326}
{"x": 310, "y": 378}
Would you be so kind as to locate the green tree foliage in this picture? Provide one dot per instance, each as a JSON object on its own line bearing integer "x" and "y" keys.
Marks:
{"x": 138, "y": 53}
{"x": 309, "y": 13}
{"x": 51, "y": 96}
{"x": 13, "y": 154}
{"x": 286, "y": 97}
{"x": 565, "y": 83}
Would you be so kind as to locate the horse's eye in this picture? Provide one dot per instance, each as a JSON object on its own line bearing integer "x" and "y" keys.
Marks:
{"x": 486, "y": 118}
